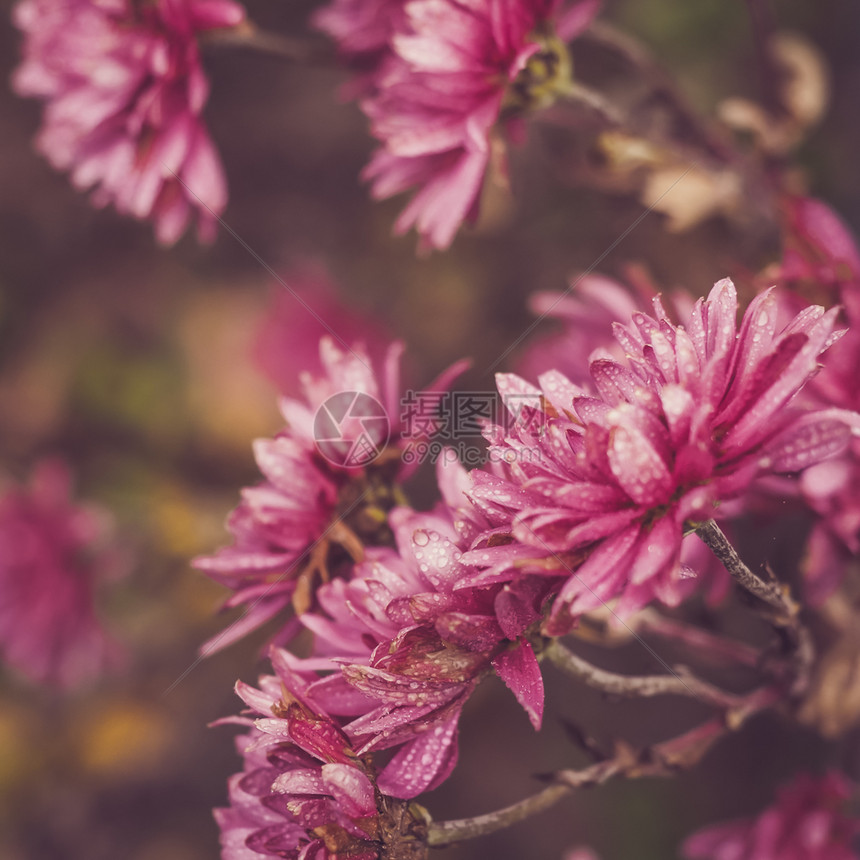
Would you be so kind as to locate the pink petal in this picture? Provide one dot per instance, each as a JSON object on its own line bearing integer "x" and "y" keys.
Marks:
{"x": 518, "y": 668}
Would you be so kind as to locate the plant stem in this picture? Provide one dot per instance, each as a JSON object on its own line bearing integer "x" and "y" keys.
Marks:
{"x": 681, "y": 683}
{"x": 661, "y": 759}
{"x": 446, "y": 832}
{"x": 710, "y": 646}
{"x": 772, "y": 593}
{"x": 638, "y": 56}
{"x": 248, "y": 36}
{"x": 786, "y": 619}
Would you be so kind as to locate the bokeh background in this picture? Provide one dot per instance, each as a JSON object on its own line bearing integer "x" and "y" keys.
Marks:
{"x": 134, "y": 362}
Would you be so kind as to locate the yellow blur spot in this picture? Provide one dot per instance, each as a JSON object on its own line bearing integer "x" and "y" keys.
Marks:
{"x": 123, "y": 736}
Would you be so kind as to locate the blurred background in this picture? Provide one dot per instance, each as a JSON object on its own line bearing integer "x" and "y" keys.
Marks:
{"x": 134, "y": 363}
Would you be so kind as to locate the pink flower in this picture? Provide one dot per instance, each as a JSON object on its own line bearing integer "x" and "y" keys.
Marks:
{"x": 124, "y": 91}
{"x": 600, "y": 489}
{"x": 363, "y": 30}
{"x": 287, "y": 344}
{"x": 805, "y": 823}
{"x": 587, "y": 311}
{"x": 453, "y": 71}
{"x": 52, "y": 557}
{"x": 411, "y": 640}
{"x": 829, "y": 488}
{"x": 329, "y": 482}
{"x": 819, "y": 253}
{"x": 303, "y": 793}
{"x": 821, "y": 256}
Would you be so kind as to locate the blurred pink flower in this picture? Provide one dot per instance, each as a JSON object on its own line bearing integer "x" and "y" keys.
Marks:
{"x": 587, "y": 312}
{"x": 298, "y": 316}
{"x": 52, "y": 557}
{"x": 821, "y": 258}
{"x": 599, "y": 489}
{"x": 805, "y": 823}
{"x": 453, "y": 71}
{"x": 363, "y": 30}
{"x": 819, "y": 252}
{"x": 830, "y": 488}
{"x": 124, "y": 90}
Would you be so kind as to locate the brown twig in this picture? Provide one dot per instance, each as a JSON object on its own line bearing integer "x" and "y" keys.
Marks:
{"x": 773, "y": 593}
{"x": 635, "y": 54}
{"x": 709, "y": 646}
{"x": 784, "y": 614}
{"x": 662, "y": 759}
{"x": 250, "y": 37}
{"x": 681, "y": 683}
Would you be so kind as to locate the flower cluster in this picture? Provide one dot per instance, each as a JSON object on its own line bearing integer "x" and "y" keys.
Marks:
{"x": 615, "y": 476}
{"x": 124, "y": 90}
{"x": 677, "y": 423}
{"x": 805, "y": 823}
{"x": 52, "y": 557}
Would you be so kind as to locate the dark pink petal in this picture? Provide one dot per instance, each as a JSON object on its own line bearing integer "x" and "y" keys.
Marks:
{"x": 809, "y": 440}
{"x": 351, "y": 789}
{"x": 422, "y": 764}
{"x": 300, "y": 781}
{"x": 517, "y": 605}
{"x": 640, "y": 470}
{"x": 576, "y": 18}
{"x": 518, "y": 668}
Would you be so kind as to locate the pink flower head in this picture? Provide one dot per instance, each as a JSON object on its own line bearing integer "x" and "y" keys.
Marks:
{"x": 805, "y": 823}
{"x": 308, "y": 308}
{"x": 453, "y": 70}
{"x": 603, "y": 488}
{"x": 304, "y": 793}
{"x": 821, "y": 258}
{"x": 52, "y": 557}
{"x": 820, "y": 254}
{"x": 329, "y": 475}
{"x": 587, "y": 313}
{"x": 124, "y": 90}
{"x": 412, "y": 640}
{"x": 363, "y": 30}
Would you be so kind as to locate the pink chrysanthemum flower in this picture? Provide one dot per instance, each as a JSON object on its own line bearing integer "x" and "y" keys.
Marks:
{"x": 587, "y": 312}
{"x": 453, "y": 70}
{"x": 821, "y": 258}
{"x": 603, "y": 490}
{"x": 304, "y": 792}
{"x": 805, "y": 823}
{"x": 287, "y": 343}
{"x": 819, "y": 253}
{"x": 362, "y": 30}
{"x": 124, "y": 91}
{"x": 52, "y": 557}
{"x": 329, "y": 481}
{"x": 410, "y": 640}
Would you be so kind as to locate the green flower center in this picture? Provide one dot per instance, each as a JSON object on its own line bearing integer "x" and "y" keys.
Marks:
{"x": 547, "y": 75}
